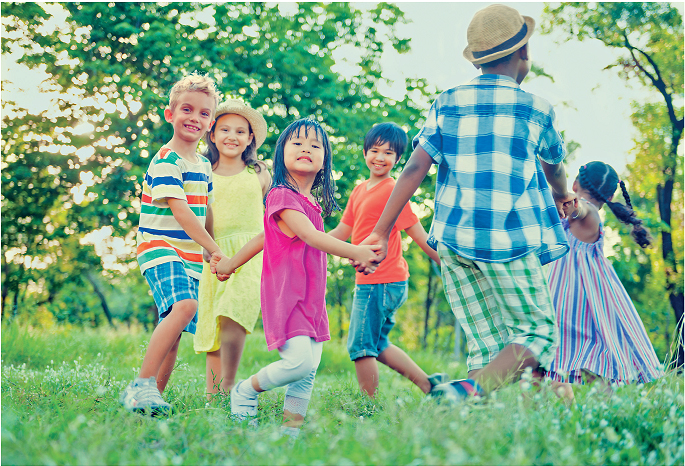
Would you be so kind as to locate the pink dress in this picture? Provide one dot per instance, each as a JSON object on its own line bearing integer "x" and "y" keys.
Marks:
{"x": 599, "y": 328}
{"x": 293, "y": 275}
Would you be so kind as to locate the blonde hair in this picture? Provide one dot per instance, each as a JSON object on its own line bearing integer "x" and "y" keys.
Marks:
{"x": 194, "y": 82}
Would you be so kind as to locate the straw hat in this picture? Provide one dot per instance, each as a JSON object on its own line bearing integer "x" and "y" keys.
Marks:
{"x": 495, "y": 32}
{"x": 255, "y": 118}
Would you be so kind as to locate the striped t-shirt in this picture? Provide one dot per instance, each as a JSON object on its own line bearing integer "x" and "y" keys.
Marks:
{"x": 160, "y": 237}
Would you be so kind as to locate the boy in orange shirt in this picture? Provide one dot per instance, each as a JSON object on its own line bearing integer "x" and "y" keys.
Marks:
{"x": 377, "y": 296}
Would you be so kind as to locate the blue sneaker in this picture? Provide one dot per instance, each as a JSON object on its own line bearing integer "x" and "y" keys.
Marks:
{"x": 456, "y": 391}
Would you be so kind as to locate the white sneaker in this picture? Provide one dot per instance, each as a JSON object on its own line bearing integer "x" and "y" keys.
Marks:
{"x": 242, "y": 407}
{"x": 142, "y": 396}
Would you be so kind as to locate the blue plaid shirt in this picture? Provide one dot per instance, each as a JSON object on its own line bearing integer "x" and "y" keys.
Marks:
{"x": 492, "y": 200}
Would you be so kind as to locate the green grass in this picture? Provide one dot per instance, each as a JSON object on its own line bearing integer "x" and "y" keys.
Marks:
{"x": 60, "y": 405}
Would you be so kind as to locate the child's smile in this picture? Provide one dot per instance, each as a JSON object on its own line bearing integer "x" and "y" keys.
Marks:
{"x": 231, "y": 135}
{"x": 303, "y": 154}
{"x": 380, "y": 159}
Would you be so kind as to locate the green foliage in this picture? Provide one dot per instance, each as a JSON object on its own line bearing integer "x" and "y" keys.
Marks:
{"x": 113, "y": 66}
{"x": 60, "y": 406}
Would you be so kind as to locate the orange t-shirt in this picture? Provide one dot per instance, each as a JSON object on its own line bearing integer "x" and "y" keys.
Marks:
{"x": 363, "y": 210}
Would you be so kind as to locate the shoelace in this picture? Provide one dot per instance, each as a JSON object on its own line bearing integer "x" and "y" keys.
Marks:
{"x": 149, "y": 393}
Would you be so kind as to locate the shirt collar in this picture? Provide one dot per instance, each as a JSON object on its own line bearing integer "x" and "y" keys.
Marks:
{"x": 497, "y": 79}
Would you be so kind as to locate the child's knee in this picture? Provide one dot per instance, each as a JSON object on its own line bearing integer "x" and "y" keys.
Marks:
{"x": 185, "y": 308}
{"x": 301, "y": 367}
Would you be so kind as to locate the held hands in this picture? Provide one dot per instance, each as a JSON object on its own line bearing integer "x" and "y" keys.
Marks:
{"x": 561, "y": 201}
{"x": 206, "y": 255}
{"x": 380, "y": 248}
{"x": 219, "y": 265}
{"x": 366, "y": 257}
{"x": 572, "y": 209}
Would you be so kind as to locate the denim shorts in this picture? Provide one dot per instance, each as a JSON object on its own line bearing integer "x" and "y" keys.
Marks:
{"x": 170, "y": 284}
{"x": 373, "y": 316}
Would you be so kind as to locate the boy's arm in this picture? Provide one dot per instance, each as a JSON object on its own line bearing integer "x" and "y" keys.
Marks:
{"x": 191, "y": 225}
{"x": 304, "y": 229}
{"x": 341, "y": 232}
{"x": 413, "y": 174}
{"x": 556, "y": 177}
{"x": 209, "y": 226}
{"x": 419, "y": 235}
{"x": 224, "y": 267}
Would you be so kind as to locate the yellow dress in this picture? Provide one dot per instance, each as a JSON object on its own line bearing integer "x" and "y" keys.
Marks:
{"x": 238, "y": 212}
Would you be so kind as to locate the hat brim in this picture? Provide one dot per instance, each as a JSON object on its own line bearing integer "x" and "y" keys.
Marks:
{"x": 468, "y": 54}
{"x": 256, "y": 120}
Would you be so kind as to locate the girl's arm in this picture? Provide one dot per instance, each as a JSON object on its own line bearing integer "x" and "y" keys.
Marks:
{"x": 419, "y": 235}
{"x": 295, "y": 223}
{"x": 209, "y": 226}
{"x": 583, "y": 220}
{"x": 192, "y": 226}
{"x": 264, "y": 178}
{"x": 224, "y": 267}
{"x": 341, "y": 232}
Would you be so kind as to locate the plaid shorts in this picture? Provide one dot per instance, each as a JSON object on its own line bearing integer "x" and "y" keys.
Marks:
{"x": 170, "y": 284}
{"x": 500, "y": 303}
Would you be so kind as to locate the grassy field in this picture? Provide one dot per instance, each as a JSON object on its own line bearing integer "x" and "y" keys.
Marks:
{"x": 60, "y": 392}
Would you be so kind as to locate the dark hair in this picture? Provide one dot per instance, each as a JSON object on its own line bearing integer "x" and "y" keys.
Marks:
{"x": 249, "y": 156}
{"x": 600, "y": 180}
{"x": 391, "y": 133}
{"x": 323, "y": 188}
{"x": 499, "y": 61}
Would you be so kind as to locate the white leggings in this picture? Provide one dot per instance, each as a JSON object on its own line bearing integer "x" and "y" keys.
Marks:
{"x": 300, "y": 358}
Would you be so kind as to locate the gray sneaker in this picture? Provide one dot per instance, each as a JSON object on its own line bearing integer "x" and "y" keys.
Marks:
{"x": 242, "y": 407}
{"x": 142, "y": 396}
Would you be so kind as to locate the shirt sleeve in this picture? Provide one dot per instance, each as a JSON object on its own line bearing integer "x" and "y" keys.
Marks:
{"x": 407, "y": 218}
{"x": 430, "y": 136}
{"x": 552, "y": 147}
{"x": 280, "y": 199}
{"x": 166, "y": 181}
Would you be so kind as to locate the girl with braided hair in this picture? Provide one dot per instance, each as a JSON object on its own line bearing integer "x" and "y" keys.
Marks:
{"x": 601, "y": 334}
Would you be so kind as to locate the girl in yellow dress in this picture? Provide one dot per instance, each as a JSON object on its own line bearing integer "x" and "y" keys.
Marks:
{"x": 228, "y": 310}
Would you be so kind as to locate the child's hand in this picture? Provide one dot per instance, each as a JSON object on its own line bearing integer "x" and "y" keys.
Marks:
{"x": 206, "y": 255}
{"x": 381, "y": 250}
{"x": 561, "y": 200}
{"x": 570, "y": 207}
{"x": 367, "y": 256}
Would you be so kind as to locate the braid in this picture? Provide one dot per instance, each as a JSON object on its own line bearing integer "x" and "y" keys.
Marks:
{"x": 587, "y": 184}
{"x": 626, "y": 196}
{"x": 626, "y": 214}
{"x": 600, "y": 180}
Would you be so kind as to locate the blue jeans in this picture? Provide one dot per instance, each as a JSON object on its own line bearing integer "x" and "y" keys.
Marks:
{"x": 373, "y": 316}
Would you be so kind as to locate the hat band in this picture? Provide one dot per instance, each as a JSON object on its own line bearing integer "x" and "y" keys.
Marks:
{"x": 504, "y": 45}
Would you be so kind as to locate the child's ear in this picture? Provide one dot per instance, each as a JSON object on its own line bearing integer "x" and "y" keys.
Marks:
{"x": 251, "y": 139}
{"x": 523, "y": 52}
{"x": 168, "y": 114}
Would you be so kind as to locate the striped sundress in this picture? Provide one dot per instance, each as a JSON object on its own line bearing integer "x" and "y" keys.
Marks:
{"x": 600, "y": 330}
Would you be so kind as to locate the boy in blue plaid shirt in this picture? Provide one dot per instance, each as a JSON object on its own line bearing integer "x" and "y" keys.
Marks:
{"x": 496, "y": 220}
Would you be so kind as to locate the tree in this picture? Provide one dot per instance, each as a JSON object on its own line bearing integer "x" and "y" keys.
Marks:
{"x": 112, "y": 65}
{"x": 650, "y": 36}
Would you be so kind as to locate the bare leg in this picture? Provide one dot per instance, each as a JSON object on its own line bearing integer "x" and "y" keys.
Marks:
{"x": 213, "y": 365}
{"x": 367, "y": 374}
{"x": 292, "y": 419}
{"x": 507, "y": 366}
{"x": 399, "y": 361}
{"x": 232, "y": 344}
{"x": 564, "y": 391}
{"x": 165, "y": 338}
{"x": 167, "y": 366}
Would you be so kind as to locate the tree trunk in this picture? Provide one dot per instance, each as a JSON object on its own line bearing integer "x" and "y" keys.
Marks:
{"x": 429, "y": 303}
{"x": 665, "y": 196}
{"x": 103, "y": 300}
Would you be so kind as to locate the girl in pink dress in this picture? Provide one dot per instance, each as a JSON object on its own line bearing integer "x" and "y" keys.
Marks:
{"x": 602, "y": 335}
{"x": 293, "y": 287}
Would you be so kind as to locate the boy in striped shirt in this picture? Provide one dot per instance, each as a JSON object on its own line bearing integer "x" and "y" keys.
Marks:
{"x": 174, "y": 222}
